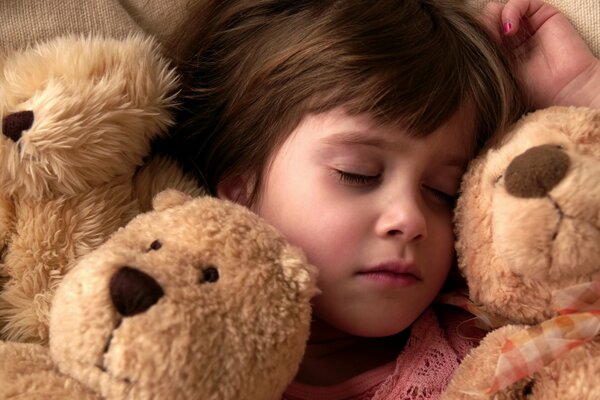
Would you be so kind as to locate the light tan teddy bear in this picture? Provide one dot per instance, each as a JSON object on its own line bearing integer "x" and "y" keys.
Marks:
{"x": 199, "y": 299}
{"x": 528, "y": 223}
{"x": 78, "y": 118}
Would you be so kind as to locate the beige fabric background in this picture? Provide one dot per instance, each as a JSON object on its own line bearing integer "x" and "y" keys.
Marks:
{"x": 25, "y": 21}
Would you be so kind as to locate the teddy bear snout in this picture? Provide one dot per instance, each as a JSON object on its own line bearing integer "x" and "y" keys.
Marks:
{"x": 14, "y": 124}
{"x": 132, "y": 291}
{"x": 536, "y": 171}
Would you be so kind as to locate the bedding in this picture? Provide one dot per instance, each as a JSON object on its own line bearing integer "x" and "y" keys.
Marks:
{"x": 27, "y": 21}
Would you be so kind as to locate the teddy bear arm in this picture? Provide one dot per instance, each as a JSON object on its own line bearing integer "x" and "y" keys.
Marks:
{"x": 571, "y": 377}
{"x": 6, "y": 221}
{"x": 475, "y": 372}
{"x": 28, "y": 372}
{"x": 6, "y": 227}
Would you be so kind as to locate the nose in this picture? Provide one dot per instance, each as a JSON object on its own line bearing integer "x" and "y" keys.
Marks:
{"x": 14, "y": 124}
{"x": 403, "y": 218}
{"x": 535, "y": 172}
{"x": 133, "y": 291}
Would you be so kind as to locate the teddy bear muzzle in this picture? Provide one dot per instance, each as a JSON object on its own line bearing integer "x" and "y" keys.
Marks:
{"x": 536, "y": 171}
{"x": 14, "y": 124}
{"x": 133, "y": 292}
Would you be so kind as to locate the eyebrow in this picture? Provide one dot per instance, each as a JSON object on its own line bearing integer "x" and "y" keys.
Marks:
{"x": 361, "y": 138}
{"x": 357, "y": 138}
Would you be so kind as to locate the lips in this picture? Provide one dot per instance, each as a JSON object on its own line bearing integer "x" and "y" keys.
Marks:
{"x": 393, "y": 272}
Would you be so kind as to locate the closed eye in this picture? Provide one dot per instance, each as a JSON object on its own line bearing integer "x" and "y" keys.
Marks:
{"x": 448, "y": 198}
{"x": 353, "y": 179}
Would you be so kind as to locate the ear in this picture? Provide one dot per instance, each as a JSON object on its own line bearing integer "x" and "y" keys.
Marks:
{"x": 296, "y": 270}
{"x": 235, "y": 188}
{"x": 169, "y": 198}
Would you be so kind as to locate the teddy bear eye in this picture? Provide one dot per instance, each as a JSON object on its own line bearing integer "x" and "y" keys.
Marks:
{"x": 210, "y": 274}
{"x": 155, "y": 245}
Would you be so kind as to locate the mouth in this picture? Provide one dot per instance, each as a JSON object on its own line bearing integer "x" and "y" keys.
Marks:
{"x": 108, "y": 373}
{"x": 561, "y": 216}
{"x": 558, "y": 240}
{"x": 101, "y": 365}
{"x": 105, "y": 371}
{"x": 393, "y": 273}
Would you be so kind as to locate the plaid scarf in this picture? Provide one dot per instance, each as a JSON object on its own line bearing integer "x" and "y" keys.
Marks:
{"x": 534, "y": 347}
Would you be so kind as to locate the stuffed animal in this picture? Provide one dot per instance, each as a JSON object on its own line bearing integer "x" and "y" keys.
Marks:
{"x": 528, "y": 226}
{"x": 198, "y": 299}
{"x": 78, "y": 119}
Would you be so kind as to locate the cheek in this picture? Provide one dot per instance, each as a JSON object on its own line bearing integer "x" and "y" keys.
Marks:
{"x": 303, "y": 209}
{"x": 332, "y": 241}
{"x": 445, "y": 244}
{"x": 327, "y": 234}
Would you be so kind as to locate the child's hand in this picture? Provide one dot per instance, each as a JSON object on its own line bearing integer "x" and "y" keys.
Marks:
{"x": 555, "y": 66}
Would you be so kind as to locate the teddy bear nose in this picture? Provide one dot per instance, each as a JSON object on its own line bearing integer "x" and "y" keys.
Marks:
{"x": 14, "y": 124}
{"x": 133, "y": 291}
{"x": 535, "y": 172}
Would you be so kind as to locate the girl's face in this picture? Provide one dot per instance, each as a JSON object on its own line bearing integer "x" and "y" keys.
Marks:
{"x": 372, "y": 210}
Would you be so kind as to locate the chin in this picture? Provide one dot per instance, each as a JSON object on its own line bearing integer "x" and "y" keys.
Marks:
{"x": 376, "y": 327}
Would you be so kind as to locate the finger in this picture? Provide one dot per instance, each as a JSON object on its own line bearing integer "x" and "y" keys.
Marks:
{"x": 516, "y": 10}
{"x": 491, "y": 17}
{"x": 535, "y": 12}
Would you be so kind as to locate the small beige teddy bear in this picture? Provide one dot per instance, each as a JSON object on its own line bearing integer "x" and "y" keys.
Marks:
{"x": 528, "y": 223}
{"x": 199, "y": 299}
{"x": 78, "y": 119}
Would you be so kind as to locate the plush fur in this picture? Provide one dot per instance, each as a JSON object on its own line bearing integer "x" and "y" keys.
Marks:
{"x": 528, "y": 223}
{"x": 78, "y": 118}
{"x": 200, "y": 299}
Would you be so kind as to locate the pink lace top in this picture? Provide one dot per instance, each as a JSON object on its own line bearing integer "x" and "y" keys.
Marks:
{"x": 421, "y": 371}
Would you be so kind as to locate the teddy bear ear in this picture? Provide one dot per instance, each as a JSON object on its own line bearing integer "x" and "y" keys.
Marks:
{"x": 169, "y": 198}
{"x": 296, "y": 270}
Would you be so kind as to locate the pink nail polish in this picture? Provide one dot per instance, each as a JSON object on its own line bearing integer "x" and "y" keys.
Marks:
{"x": 507, "y": 26}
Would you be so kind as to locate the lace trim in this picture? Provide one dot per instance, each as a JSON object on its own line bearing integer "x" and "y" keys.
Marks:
{"x": 422, "y": 371}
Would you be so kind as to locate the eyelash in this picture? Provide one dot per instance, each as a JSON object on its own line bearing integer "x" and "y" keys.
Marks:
{"x": 356, "y": 179}
{"x": 445, "y": 197}
{"x": 366, "y": 180}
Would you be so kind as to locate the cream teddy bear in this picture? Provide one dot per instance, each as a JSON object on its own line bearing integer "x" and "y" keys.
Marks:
{"x": 78, "y": 119}
{"x": 528, "y": 223}
{"x": 198, "y": 299}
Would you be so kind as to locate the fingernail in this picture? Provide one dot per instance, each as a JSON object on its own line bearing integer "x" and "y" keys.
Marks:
{"x": 506, "y": 26}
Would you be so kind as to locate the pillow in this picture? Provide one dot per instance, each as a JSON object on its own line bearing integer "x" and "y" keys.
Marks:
{"x": 27, "y": 21}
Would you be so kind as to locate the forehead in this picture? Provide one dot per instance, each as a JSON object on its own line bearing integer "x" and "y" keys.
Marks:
{"x": 455, "y": 137}
{"x": 459, "y": 133}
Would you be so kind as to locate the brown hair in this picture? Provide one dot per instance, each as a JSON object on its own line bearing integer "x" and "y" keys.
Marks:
{"x": 253, "y": 68}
